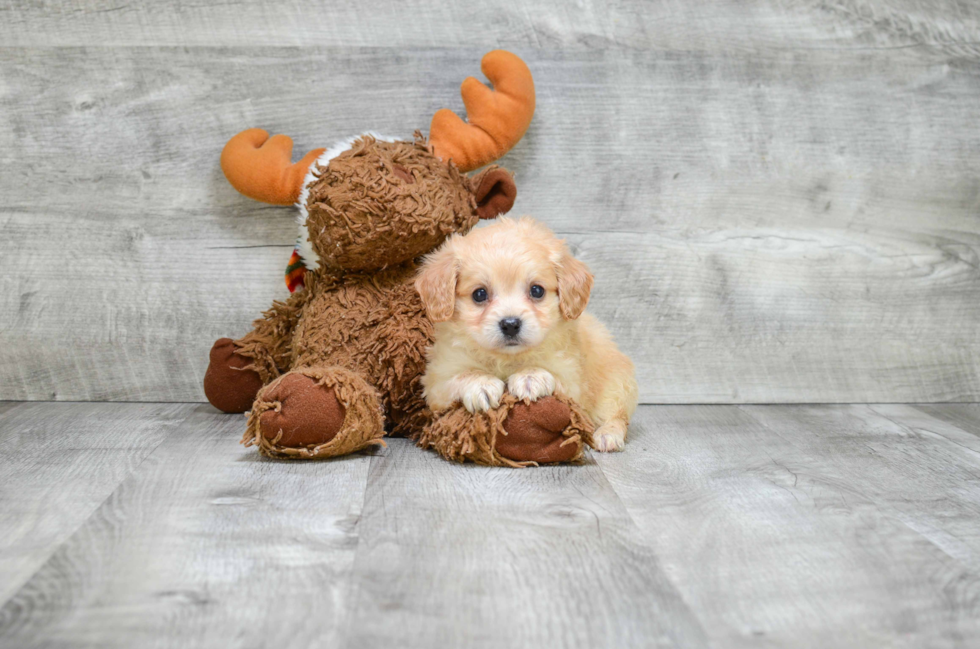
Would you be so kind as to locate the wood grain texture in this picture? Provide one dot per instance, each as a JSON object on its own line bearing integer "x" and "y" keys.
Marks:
{"x": 712, "y": 25}
{"x": 206, "y": 544}
{"x": 8, "y": 405}
{"x": 808, "y": 526}
{"x": 60, "y": 462}
{"x": 964, "y": 415}
{"x": 465, "y": 556}
{"x": 786, "y": 219}
{"x": 803, "y": 526}
{"x": 920, "y": 471}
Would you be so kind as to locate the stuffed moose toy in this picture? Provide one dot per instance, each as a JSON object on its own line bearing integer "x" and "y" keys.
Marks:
{"x": 338, "y": 365}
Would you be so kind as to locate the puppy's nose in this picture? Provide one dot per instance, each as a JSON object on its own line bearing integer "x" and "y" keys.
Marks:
{"x": 510, "y": 326}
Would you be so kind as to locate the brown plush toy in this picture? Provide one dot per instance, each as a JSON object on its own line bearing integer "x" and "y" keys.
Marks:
{"x": 337, "y": 365}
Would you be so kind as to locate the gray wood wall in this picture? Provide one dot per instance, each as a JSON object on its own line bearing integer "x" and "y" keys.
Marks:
{"x": 780, "y": 200}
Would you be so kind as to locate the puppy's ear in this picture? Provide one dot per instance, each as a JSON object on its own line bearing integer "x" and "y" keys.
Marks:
{"x": 436, "y": 283}
{"x": 574, "y": 285}
{"x": 495, "y": 192}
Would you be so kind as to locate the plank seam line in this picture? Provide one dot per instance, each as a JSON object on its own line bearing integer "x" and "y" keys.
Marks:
{"x": 883, "y": 508}
{"x": 95, "y": 509}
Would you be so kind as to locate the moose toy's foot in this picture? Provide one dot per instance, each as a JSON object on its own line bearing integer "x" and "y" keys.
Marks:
{"x": 315, "y": 412}
{"x": 535, "y": 433}
{"x": 228, "y": 385}
{"x": 308, "y": 413}
{"x": 518, "y": 433}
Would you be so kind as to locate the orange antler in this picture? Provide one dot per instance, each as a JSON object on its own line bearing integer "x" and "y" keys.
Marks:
{"x": 497, "y": 118}
{"x": 260, "y": 167}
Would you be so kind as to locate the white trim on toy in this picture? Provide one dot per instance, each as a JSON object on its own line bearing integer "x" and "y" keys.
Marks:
{"x": 303, "y": 245}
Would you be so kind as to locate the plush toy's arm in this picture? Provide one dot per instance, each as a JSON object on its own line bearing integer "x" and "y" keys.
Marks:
{"x": 238, "y": 369}
{"x": 269, "y": 345}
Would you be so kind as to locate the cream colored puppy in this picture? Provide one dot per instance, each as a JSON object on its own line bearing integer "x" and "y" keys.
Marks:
{"x": 508, "y": 304}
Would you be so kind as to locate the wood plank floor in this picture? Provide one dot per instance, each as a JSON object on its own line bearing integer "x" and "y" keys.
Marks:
{"x": 806, "y": 526}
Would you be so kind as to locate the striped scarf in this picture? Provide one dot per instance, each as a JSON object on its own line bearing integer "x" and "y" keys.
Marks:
{"x": 295, "y": 271}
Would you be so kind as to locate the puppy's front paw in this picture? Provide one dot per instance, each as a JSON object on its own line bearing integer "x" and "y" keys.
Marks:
{"x": 611, "y": 436}
{"x": 482, "y": 393}
{"x": 531, "y": 384}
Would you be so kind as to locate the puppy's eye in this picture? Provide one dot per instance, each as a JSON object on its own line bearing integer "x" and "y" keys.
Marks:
{"x": 480, "y": 295}
{"x": 537, "y": 291}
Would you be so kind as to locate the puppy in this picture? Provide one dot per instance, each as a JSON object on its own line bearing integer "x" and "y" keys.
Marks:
{"x": 508, "y": 303}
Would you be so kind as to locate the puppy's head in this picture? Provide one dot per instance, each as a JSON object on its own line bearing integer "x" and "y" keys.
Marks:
{"x": 506, "y": 286}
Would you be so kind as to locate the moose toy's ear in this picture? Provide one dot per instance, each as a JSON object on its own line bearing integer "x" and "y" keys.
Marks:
{"x": 495, "y": 193}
